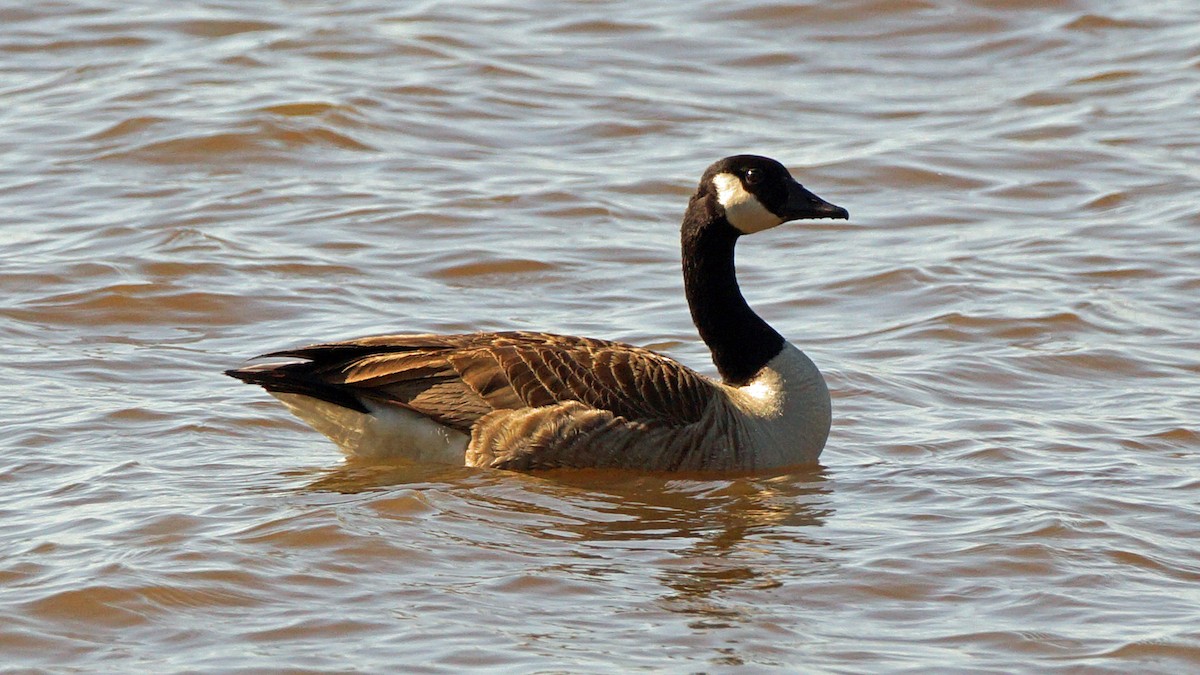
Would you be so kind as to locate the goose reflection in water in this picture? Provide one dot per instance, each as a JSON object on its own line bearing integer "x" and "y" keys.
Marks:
{"x": 704, "y": 537}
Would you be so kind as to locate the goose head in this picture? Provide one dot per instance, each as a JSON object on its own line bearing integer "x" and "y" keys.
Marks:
{"x": 757, "y": 193}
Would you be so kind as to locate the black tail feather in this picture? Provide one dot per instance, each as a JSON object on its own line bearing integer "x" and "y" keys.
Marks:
{"x": 297, "y": 378}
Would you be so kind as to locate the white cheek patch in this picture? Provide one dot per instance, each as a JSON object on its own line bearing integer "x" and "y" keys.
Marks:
{"x": 742, "y": 209}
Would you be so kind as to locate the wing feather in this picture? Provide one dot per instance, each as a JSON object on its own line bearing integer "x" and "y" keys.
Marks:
{"x": 457, "y": 379}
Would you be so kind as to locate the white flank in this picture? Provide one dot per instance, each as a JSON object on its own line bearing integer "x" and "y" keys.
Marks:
{"x": 742, "y": 209}
{"x": 785, "y": 411}
{"x": 386, "y": 432}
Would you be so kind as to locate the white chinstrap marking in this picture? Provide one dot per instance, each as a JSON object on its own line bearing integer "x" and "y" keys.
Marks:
{"x": 742, "y": 209}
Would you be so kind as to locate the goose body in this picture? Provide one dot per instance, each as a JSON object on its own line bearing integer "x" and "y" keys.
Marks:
{"x": 529, "y": 401}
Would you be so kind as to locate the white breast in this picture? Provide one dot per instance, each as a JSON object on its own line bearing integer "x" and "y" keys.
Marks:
{"x": 785, "y": 412}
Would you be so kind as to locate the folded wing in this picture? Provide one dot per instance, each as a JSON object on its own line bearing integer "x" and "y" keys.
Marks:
{"x": 457, "y": 379}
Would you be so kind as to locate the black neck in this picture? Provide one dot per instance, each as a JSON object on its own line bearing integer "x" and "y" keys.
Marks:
{"x": 741, "y": 342}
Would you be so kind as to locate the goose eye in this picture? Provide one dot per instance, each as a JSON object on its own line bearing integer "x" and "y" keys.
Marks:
{"x": 753, "y": 176}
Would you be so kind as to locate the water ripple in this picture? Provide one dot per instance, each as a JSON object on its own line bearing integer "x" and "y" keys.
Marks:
{"x": 1008, "y": 326}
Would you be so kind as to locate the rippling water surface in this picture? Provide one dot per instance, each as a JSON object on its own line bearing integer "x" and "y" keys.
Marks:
{"x": 1009, "y": 325}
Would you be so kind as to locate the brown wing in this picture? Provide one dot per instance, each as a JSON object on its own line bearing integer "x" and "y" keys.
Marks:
{"x": 456, "y": 379}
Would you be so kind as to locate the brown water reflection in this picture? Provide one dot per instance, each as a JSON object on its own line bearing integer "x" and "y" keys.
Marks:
{"x": 1008, "y": 327}
{"x": 704, "y": 534}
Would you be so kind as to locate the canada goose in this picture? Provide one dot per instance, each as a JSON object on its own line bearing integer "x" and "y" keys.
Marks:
{"x": 528, "y": 401}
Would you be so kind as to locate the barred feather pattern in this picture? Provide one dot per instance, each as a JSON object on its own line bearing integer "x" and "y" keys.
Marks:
{"x": 573, "y": 435}
{"x": 529, "y": 400}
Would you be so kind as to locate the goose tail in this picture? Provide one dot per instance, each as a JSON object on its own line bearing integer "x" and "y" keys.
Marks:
{"x": 297, "y": 378}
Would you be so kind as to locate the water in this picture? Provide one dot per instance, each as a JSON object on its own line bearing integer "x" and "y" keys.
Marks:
{"x": 1008, "y": 325}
